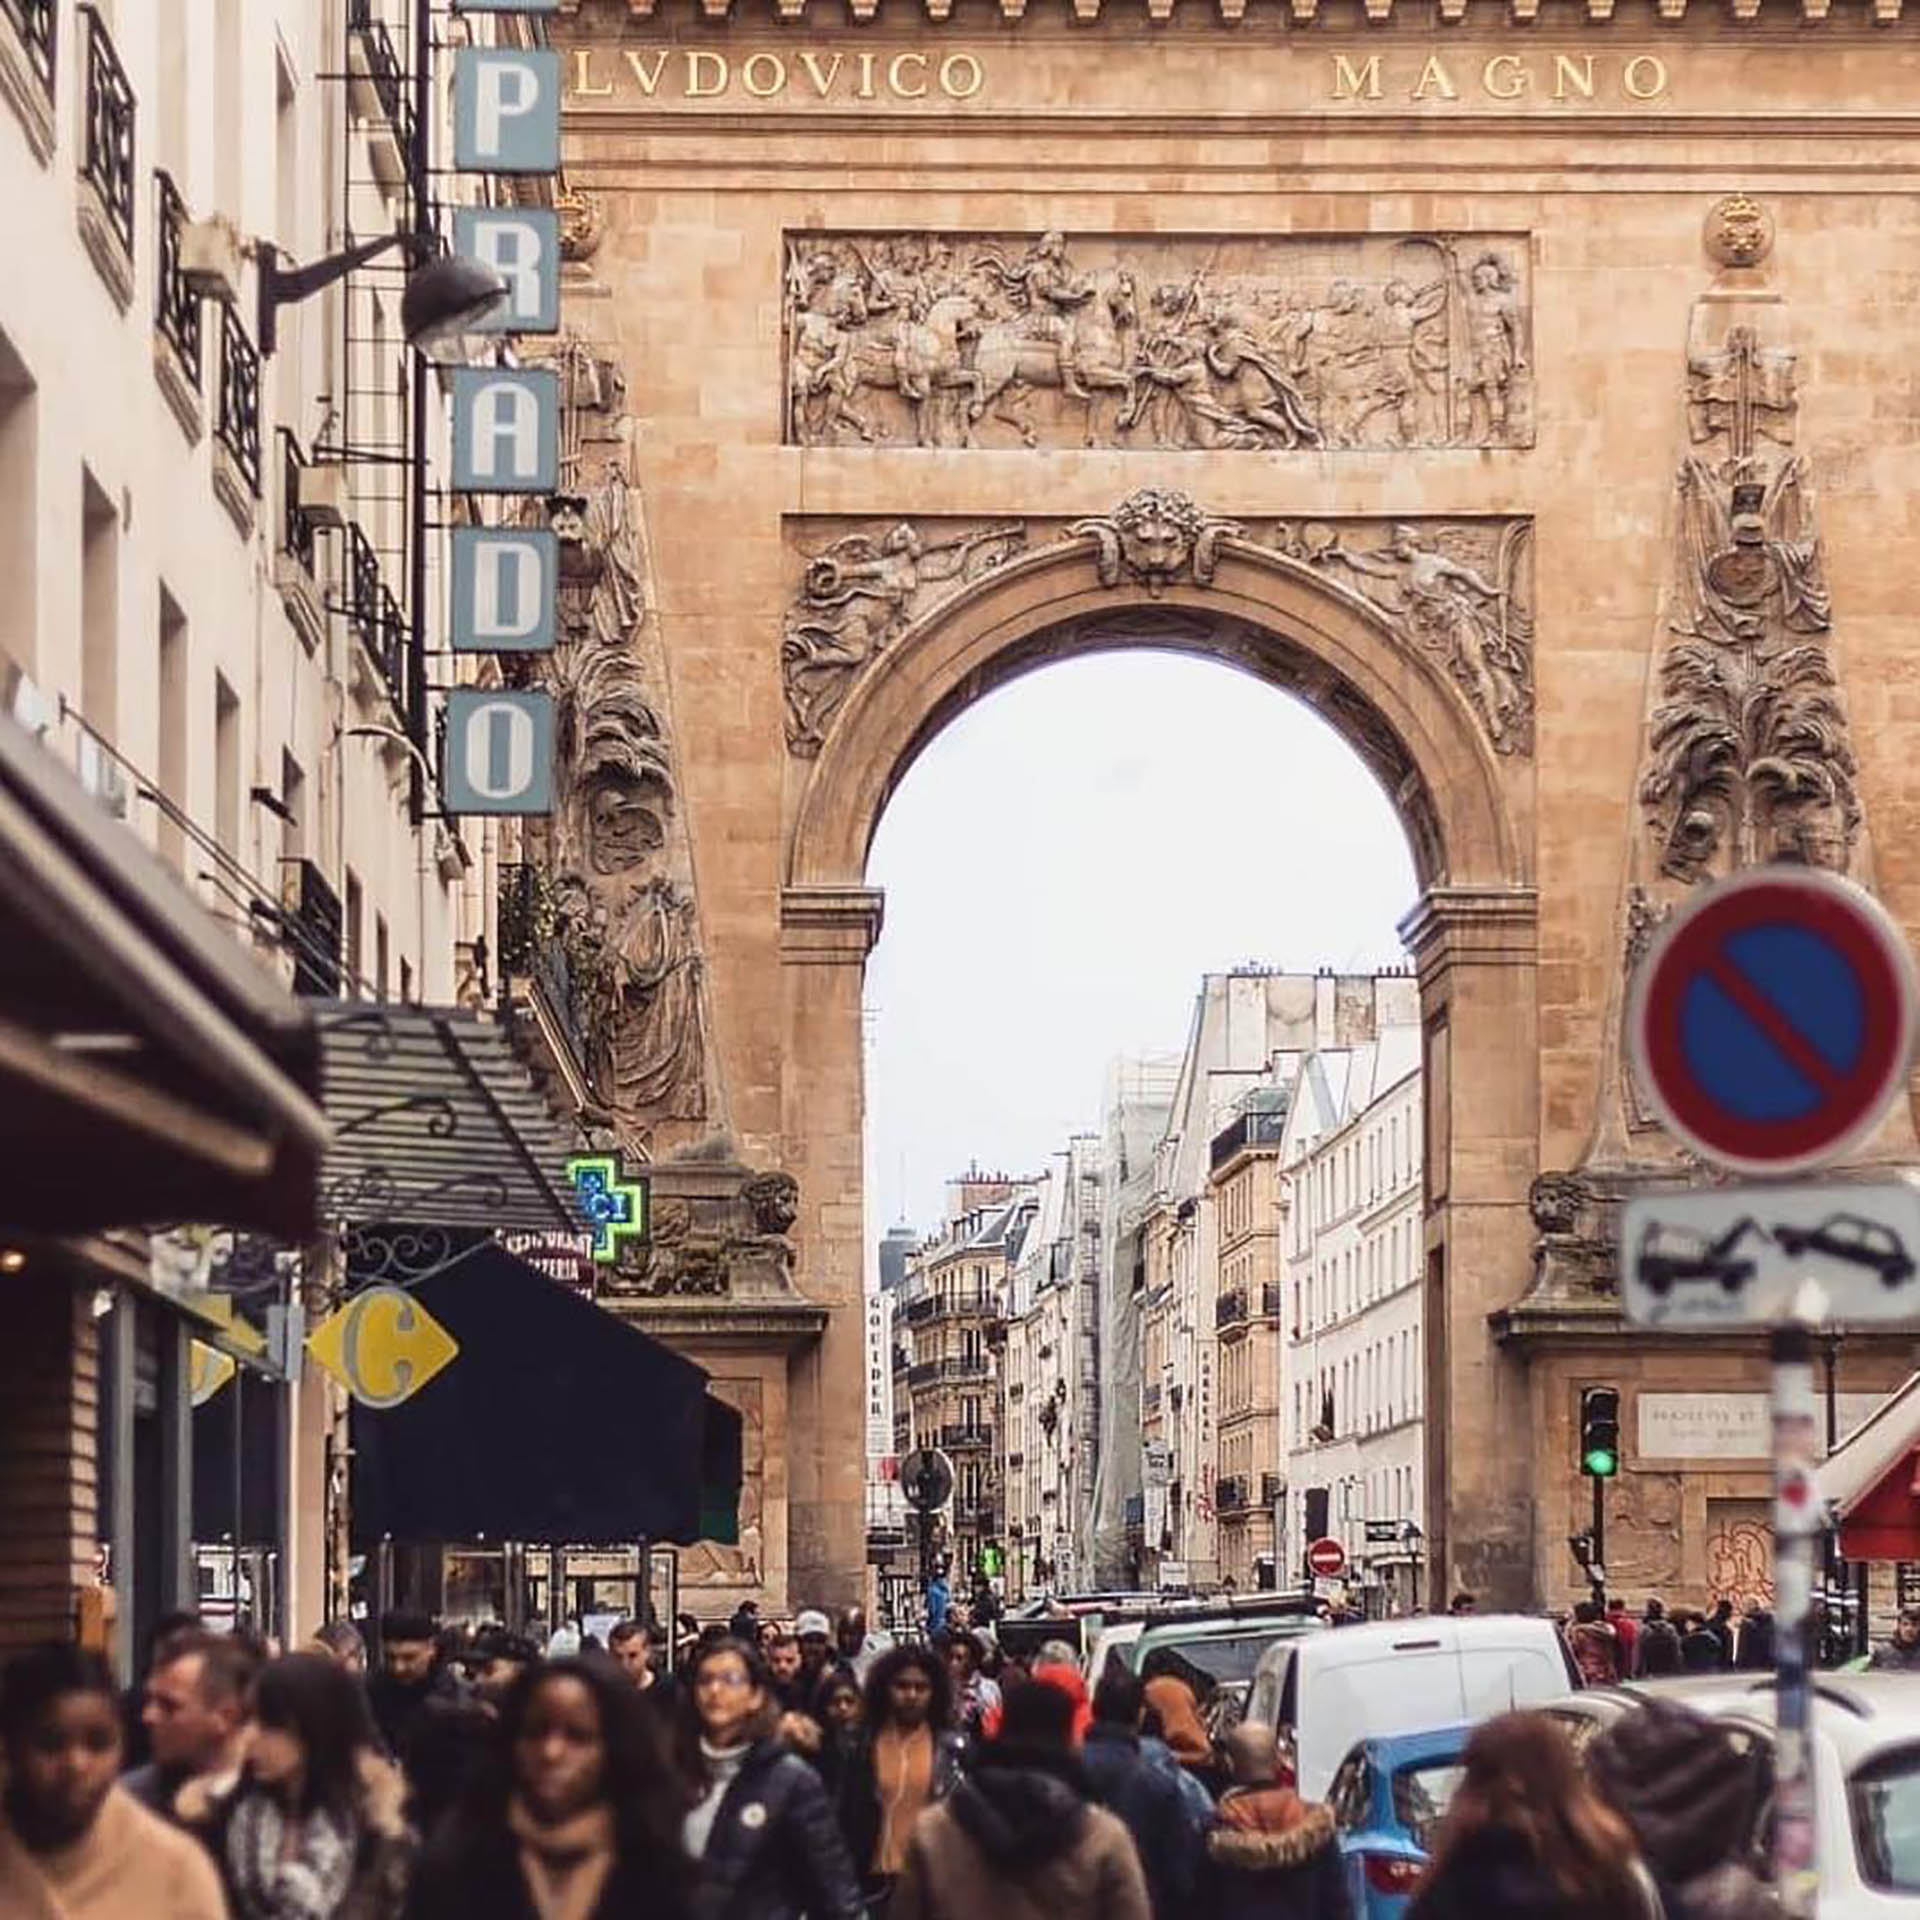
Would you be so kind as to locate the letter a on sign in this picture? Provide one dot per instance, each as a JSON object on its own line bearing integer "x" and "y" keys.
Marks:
{"x": 503, "y": 588}
{"x": 506, "y": 430}
{"x": 499, "y": 752}
{"x": 506, "y": 110}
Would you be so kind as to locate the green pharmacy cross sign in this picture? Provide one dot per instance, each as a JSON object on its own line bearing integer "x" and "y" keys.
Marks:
{"x": 613, "y": 1207}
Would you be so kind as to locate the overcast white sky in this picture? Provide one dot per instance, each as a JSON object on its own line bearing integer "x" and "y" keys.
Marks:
{"x": 1063, "y": 864}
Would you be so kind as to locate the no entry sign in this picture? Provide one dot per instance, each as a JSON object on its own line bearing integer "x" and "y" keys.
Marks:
{"x": 1327, "y": 1558}
{"x": 1773, "y": 1019}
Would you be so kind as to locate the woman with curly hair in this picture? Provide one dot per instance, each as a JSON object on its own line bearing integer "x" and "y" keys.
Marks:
{"x": 577, "y": 1818}
{"x": 909, "y": 1759}
{"x": 1525, "y": 1837}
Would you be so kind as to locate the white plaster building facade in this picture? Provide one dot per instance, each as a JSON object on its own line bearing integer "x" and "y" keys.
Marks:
{"x": 223, "y": 666}
{"x": 1050, "y": 1394}
{"x": 1350, "y": 1203}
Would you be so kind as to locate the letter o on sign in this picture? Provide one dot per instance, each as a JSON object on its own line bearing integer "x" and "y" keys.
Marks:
{"x": 499, "y": 752}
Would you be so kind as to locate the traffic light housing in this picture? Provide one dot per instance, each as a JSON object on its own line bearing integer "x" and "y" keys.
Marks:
{"x": 1600, "y": 1432}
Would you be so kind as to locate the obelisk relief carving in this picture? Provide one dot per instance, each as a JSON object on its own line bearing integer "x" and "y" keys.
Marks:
{"x": 1746, "y": 753}
{"x": 617, "y": 856}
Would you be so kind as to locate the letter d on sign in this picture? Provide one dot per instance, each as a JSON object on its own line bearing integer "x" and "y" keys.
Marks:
{"x": 499, "y": 752}
{"x": 503, "y": 589}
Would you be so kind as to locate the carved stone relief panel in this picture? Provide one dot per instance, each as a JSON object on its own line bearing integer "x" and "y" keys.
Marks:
{"x": 1458, "y": 592}
{"x": 616, "y": 917}
{"x": 1242, "y": 343}
{"x": 1748, "y": 756}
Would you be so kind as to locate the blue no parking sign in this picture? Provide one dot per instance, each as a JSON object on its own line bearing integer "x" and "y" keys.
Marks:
{"x": 1773, "y": 1020}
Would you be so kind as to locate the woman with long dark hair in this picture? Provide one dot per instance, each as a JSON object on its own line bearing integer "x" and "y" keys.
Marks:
{"x": 1525, "y": 1836}
{"x": 315, "y": 1829}
{"x": 757, "y": 1819}
{"x": 577, "y": 1814}
{"x": 909, "y": 1759}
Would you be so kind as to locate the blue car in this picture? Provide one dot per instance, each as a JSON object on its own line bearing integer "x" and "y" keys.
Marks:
{"x": 1387, "y": 1798}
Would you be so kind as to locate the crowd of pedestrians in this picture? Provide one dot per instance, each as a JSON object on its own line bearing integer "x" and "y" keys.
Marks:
{"x": 813, "y": 1771}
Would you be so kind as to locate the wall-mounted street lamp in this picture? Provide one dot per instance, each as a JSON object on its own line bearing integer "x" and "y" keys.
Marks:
{"x": 447, "y": 294}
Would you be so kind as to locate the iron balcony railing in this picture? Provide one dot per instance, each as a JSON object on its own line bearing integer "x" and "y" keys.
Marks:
{"x": 1269, "y": 1299}
{"x": 176, "y": 306}
{"x": 106, "y": 160}
{"x": 950, "y": 1368}
{"x": 299, "y": 533}
{"x": 37, "y": 22}
{"x": 966, "y": 1436}
{"x": 375, "y": 615}
{"x": 1150, "y": 1396}
{"x": 1231, "y": 1308}
{"x": 1272, "y": 1486}
{"x": 1230, "y": 1494}
{"x": 238, "y": 424}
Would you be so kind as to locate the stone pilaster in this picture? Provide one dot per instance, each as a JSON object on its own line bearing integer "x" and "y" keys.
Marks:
{"x": 1475, "y": 952}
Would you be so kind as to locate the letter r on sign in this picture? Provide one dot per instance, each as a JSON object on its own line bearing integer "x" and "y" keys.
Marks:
{"x": 521, "y": 245}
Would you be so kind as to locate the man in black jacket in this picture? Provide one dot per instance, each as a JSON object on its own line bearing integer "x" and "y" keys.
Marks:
{"x": 1145, "y": 1797}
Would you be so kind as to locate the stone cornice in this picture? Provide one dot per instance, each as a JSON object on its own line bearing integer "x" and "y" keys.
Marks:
{"x": 1337, "y": 15}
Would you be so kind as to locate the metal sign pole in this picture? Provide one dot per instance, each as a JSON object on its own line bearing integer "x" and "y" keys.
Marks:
{"x": 1796, "y": 1526}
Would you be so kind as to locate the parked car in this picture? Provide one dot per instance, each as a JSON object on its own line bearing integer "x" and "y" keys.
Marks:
{"x": 1866, "y": 1740}
{"x": 1387, "y": 1798}
{"x": 1330, "y": 1691}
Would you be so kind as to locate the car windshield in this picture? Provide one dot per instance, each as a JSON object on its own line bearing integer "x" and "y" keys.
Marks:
{"x": 1420, "y": 1796}
{"x": 1227, "y": 1656}
{"x": 1886, "y": 1820}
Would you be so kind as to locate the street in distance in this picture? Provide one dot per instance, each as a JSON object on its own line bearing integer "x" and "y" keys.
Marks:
{"x": 1740, "y": 1256}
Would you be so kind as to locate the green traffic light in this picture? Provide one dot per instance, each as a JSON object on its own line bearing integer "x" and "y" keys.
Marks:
{"x": 1601, "y": 1462}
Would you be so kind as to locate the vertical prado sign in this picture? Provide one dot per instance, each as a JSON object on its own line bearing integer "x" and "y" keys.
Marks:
{"x": 506, "y": 427}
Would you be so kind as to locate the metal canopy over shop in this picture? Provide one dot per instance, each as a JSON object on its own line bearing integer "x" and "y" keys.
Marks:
{"x": 437, "y": 1124}
{"x": 557, "y": 1422}
{"x": 150, "y": 1068}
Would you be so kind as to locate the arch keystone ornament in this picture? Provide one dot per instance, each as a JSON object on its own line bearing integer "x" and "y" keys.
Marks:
{"x": 1155, "y": 536}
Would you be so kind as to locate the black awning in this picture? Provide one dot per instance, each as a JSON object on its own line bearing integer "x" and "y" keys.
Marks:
{"x": 556, "y": 1423}
{"x": 436, "y": 1122}
{"x": 151, "y": 1069}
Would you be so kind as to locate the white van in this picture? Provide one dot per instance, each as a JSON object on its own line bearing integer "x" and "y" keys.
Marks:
{"x": 1331, "y": 1690}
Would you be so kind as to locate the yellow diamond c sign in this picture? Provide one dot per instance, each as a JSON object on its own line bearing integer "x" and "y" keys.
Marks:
{"x": 383, "y": 1346}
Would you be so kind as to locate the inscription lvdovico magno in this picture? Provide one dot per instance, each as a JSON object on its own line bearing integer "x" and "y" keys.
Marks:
{"x": 617, "y": 76}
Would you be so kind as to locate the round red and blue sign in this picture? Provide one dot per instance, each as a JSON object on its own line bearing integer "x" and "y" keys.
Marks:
{"x": 1773, "y": 1019}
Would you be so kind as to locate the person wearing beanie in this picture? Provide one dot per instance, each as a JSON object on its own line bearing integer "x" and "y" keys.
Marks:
{"x": 1018, "y": 1839}
{"x": 1693, "y": 1800}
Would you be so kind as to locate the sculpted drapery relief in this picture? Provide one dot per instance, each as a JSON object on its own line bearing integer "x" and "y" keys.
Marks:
{"x": 617, "y": 859}
{"x": 1273, "y": 342}
{"x": 1458, "y": 592}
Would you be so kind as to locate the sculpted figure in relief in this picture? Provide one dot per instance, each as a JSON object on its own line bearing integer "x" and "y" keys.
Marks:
{"x": 1496, "y": 350}
{"x": 1477, "y": 622}
{"x": 856, "y": 595}
{"x": 619, "y": 866}
{"x": 1284, "y": 342}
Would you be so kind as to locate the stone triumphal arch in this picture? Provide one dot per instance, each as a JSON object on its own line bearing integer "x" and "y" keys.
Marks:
{"x": 1525, "y": 389}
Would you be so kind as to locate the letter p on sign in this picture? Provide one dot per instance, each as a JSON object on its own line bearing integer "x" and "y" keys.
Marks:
{"x": 506, "y": 110}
